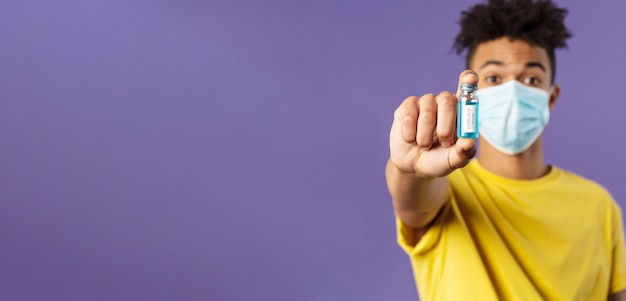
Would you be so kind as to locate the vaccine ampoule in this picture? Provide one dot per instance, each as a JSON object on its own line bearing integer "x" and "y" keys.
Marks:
{"x": 467, "y": 113}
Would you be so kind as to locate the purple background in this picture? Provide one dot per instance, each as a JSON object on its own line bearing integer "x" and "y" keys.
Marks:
{"x": 234, "y": 150}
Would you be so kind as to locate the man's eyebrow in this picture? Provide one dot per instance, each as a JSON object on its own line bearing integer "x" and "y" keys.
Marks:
{"x": 498, "y": 63}
{"x": 528, "y": 65}
{"x": 536, "y": 64}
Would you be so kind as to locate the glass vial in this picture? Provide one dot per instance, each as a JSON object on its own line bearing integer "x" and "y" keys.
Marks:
{"x": 467, "y": 113}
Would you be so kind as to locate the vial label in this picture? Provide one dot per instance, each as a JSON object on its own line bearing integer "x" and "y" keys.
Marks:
{"x": 468, "y": 119}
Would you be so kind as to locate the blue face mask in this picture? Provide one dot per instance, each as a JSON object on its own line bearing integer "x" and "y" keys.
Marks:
{"x": 511, "y": 116}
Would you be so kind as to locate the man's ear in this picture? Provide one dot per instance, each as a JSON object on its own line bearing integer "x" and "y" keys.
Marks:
{"x": 554, "y": 96}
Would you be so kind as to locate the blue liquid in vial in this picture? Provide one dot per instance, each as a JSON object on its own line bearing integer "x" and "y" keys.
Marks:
{"x": 467, "y": 119}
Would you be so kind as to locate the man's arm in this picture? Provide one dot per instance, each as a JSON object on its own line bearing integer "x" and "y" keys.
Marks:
{"x": 416, "y": 200}
{"x": 423, "y": 151}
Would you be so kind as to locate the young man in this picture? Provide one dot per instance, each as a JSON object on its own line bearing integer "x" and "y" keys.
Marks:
{"x": 504, "y": 226}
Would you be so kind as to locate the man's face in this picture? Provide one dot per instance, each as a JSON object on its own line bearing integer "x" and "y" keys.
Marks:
{"x": 499, "y": 61}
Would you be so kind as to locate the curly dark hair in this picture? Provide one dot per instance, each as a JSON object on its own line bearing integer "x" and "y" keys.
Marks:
{"x": 539, "y": 23}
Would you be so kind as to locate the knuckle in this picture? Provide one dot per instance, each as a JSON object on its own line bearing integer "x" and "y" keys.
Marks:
{"x": 444, "y": 133}
{"x": 408, "y": 106}
{"x": 446, "y": 103}
{"x": 410, "y": 100}
{"x": 428, "y": 118}
{"x": 427, "y": 103}
{"x": 427, "y": 97}
{"x": 397, "y": 114}
{"x": 449, "y": 109}
{"x": 424, "y": 142}
{"x": 446, "y": 98}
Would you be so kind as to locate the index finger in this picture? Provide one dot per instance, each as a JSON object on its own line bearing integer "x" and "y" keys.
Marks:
{"x": 466, "y": 77}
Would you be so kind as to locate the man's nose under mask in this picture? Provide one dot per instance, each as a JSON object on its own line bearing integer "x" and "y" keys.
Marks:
{"x": 511, "y": 116}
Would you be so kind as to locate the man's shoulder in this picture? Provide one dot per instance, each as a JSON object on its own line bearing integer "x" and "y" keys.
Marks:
{"x": 576, "y": 180}
{"x": 576, "y": 186}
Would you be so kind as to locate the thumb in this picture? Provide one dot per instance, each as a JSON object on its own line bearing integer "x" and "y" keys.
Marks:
{"x": 462, "y": 152}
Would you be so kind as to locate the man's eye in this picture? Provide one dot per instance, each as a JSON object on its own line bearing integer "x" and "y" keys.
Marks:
{"x": 492, "y": 79}
{"x": 532, "y": 81}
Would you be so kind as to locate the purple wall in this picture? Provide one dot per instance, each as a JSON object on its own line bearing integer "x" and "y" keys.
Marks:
{"x": 234, "y": 150}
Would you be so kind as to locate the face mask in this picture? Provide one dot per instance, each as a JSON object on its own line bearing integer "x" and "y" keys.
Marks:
{"x": 511, "y": 116}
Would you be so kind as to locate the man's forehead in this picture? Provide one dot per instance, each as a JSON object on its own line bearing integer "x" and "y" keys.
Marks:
{"x": 506, "y": 52}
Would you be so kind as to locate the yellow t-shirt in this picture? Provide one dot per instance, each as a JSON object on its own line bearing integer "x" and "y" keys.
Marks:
{"x": 559, "y": 237}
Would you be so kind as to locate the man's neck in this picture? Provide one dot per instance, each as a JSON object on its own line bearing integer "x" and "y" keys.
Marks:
{"x": 525, "y": 166}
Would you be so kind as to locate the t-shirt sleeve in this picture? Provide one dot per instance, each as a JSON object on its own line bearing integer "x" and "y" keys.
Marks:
{"x": 618, "y": 275}
{"x": 430, "y": 238}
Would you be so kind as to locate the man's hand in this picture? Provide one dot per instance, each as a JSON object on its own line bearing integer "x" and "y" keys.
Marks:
{"x": 423, "y": 134}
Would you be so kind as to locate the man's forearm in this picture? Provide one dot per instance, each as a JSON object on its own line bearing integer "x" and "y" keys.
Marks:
{"x": 416, "y": 200}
